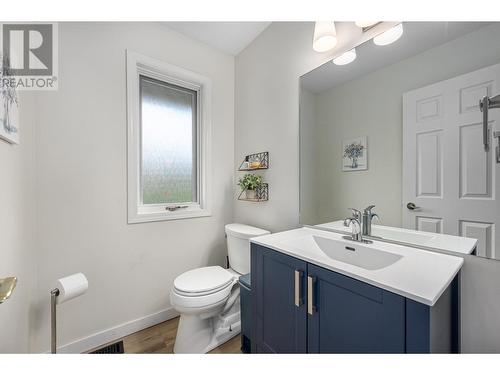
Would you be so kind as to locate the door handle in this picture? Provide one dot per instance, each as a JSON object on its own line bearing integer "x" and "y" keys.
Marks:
{"x": 484, "y": 105}
{"x": 412, "y": 206}
{"x": 298, "y": 288}
{"x": 311, "y": 308}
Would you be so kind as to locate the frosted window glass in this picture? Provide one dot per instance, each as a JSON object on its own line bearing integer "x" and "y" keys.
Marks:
{"x": 168, "y": 139}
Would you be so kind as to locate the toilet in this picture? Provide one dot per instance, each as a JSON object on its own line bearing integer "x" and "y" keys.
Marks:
{"x": 208, "y": 298}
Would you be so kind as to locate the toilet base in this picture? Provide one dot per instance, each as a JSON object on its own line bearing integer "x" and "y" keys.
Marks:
{"x": 198, "y": 335}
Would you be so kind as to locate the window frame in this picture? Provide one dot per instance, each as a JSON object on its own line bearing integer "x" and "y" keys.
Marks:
{"x": 140, "y": 65}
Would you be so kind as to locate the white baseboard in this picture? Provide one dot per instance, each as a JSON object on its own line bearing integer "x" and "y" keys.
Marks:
{"x": 112, "y": 334}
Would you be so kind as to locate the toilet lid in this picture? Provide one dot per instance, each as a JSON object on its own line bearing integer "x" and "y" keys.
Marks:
{"x": 244, "y": 231}
{"x": 203, "y": 279}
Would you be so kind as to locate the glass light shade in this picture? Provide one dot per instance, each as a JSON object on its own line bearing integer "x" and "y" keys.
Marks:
{"x": 363, "y": 24}
{"x": 325, "y": 36}
{"x": 389, "y": 36}
{"x": 345, "y": 58}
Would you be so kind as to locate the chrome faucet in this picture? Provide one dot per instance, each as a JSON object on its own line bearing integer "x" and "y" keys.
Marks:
{"x": 354, "y": 222}
{"x": 366, "y": 223}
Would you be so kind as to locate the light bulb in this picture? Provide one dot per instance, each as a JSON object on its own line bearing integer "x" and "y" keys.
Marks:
{"x": 364, "y": 24}
{"x": 325, "y": 36}
{"x": 389, "y": 36}
{"x": 345, "y": 58}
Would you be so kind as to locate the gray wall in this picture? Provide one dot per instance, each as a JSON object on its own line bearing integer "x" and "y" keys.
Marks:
{"x": 267, "y": 116}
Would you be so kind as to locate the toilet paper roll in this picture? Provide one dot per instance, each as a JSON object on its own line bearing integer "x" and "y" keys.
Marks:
{"x": 71, "y": 287}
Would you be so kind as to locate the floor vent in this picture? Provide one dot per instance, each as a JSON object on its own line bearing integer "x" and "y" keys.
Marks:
{"x": 116, "y": 348}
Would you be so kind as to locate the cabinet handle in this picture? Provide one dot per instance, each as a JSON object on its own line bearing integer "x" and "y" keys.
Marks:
{"x": 298, "y": 287}
{"x": 310, "y": 295}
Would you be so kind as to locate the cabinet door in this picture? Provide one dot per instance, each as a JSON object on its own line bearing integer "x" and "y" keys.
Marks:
{"x": 279, "y": 320}
{"x": 349, "y": 316}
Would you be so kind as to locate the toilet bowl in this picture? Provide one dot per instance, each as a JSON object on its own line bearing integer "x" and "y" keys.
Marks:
{"x": 208, "y": 298}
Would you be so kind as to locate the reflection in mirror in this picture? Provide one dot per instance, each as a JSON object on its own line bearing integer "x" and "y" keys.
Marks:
{"x": 401, "y": 128}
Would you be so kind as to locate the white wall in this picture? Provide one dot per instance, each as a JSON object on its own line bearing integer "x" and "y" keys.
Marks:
{"x": 82, "y": 186}
{"x": 267, "y": 117}
{"x": 17, "y": 231}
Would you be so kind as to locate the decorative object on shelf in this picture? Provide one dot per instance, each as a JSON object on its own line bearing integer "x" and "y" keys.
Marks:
{"x": 7, "y": 285}
{"x": 246, "y": 164}
{"x": 256, "y": 161}
{"x": 9, "y": 111}
{"x": 355, "y": 154}
{"x": 250, "y": 183}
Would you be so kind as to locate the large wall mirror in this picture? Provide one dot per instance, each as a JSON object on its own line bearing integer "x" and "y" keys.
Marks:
{"x": 401, "y": 128}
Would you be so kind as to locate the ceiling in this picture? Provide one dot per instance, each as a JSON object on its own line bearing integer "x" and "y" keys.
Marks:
{"x": 228, "y": 37}
{"x": 417, "y": 37}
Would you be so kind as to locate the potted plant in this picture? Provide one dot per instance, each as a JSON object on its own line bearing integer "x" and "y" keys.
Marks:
{"x": 250, "y": 183}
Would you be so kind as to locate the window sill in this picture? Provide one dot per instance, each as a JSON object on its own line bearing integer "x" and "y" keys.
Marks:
{"x": 147, "y": 217}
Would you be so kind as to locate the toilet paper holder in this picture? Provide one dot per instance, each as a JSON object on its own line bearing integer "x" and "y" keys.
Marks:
{"x": 66, "y": 289}
{"x": 53, "y": 320}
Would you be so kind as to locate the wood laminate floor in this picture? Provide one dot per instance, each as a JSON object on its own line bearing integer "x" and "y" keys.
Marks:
{"x": 161, "y": 338}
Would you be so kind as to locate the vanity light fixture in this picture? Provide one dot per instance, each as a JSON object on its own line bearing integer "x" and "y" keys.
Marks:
{"x": 389, "y": 36}
{"x": 365, "y": 24}
{"x": 325, "y": 36}
{"x": 345, "y": 58}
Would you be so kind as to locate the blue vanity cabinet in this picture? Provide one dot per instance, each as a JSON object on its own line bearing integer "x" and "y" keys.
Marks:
{"x": 298, "y": 307}
{"x": 278, "y": 324}
{"x": 348, "y": 316}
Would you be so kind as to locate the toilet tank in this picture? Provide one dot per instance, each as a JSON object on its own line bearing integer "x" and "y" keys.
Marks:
{"x": 238, "y": 245}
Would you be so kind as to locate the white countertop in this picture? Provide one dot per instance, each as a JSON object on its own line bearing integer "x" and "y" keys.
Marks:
{"x": 420, "y": 275}
{"x": 446, "y": 242}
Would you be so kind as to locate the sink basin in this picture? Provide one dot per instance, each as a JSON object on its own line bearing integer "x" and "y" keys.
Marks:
{"x": 356, "y": 254}
{"x": 366, "y": 256}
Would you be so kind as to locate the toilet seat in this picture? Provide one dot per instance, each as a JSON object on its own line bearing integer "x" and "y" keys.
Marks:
{"x": 202, "y": 287}
{"x": 203, "y": 281}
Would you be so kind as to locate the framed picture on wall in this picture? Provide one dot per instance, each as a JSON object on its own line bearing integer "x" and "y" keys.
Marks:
{"x": 355, "y": 154}
{"x": 9, "y": 111}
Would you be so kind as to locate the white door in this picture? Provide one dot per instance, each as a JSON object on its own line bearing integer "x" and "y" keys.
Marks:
{"x": 446, "y": 172}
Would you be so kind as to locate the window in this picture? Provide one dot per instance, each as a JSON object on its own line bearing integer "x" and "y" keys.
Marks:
{"x": 168, "y": 141}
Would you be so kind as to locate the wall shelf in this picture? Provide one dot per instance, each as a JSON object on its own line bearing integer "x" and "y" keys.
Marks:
{"x": 260, "y": 161}
{"x": 261, "y": 194}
